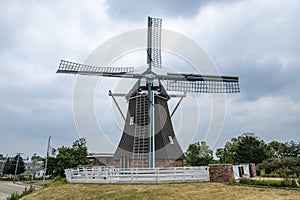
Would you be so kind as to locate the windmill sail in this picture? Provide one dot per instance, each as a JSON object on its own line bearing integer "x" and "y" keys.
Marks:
{"x": 201, "y": 83}
{"x": 154, "y": 42}
{"x": 77, "y": 68}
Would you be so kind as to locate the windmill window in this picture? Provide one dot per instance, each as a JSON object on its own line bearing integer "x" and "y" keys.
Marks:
{"x": 131, "y": 121}
{"x": 171, "y": 139}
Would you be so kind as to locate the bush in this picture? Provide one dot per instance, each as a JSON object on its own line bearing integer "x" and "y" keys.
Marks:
{"x": 271, "y": 175}
{"x": 16, "y": 195}
{"x": 274, "y": 183}
{"x": 233, "y": 180}
{"x": 289, "y": 183}
{"x": 283, "y": 175}
{"x": 285, "y": 166}
{"x": 246, "y": 181}
{"x": 60, "y": 179}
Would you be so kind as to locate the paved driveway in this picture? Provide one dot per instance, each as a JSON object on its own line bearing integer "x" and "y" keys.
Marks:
{"x": 7, "y": 187}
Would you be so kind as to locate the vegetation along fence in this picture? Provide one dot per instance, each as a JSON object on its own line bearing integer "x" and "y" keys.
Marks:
{"x": 136, "y": 175}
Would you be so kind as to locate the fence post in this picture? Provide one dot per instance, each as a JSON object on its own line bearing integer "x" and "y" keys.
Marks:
{"x": 86, "y": 174}
{"x": 184, "y": 174}
{"x": 157, "y": 175}
{"x": 131, "y": 171}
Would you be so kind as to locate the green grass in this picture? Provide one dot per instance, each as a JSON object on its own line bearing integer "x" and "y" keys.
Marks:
{"x": 181, "y": 191}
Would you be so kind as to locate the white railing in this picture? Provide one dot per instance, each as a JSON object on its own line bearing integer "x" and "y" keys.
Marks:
{"x": 136, "y": 175}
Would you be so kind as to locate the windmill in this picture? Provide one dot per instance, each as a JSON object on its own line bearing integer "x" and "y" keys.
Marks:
{"x": 148, "y": 138}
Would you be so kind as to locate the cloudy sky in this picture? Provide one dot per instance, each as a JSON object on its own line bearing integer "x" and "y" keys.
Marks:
{"x": 257, "y": 40}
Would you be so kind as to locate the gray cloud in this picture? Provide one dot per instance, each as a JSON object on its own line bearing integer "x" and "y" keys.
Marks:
{"x": 256, "y": 40}
{"x": 137, "y": 10}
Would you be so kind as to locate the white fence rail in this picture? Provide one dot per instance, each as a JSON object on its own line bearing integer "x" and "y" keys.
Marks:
{"x": 136, "y": 175}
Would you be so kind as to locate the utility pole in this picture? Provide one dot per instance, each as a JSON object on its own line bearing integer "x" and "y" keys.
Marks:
{"x": 34, "y": 160}
{"x": 46, "y": 162}
{"x": 16, "y": 169}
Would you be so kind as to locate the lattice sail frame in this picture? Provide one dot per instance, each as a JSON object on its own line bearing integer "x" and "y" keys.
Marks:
{"x": 202, "y": 86}
{"x": 154, "y": 42}
{"x": 76, "y": 68}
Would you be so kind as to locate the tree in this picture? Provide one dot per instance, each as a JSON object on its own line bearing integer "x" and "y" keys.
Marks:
{"x": 293, "y": 149}
{"x": 199, "y": 154}
{"x": 7, "y": 169}
{"x": 10, "y": 165}
{"x": 36, "y": 158}
{"x": 251, "y": 150}
{"x": 245, "y": 149}
{"x": 68, "y": 157}
{"x": 228, "y": 153}
{"x": 51, "y": 166}
{"x": 277, "y": 149}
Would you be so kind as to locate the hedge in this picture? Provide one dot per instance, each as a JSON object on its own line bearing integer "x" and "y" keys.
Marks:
{"x": 275, "y": 183}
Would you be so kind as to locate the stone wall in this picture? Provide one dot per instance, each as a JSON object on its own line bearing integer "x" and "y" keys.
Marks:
{"x": 221, "y": 172}
{"x": 252, "y": 169}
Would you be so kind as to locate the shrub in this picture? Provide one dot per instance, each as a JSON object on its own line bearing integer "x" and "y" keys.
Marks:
{"x": 292, "y": 176}
{"x": 16, "y": 195}
{"x": 60, "y": 179}
{"x": 271, "y": 175}
{"x": 246, "y": 181}
{"x": 274, "y": 183}
{"x": 56, "y": 180}
{"x": 289, "y": 183}
{"x": 285, "y": 166}
{"x": 283, "y": 175}
{"x": 233, "y": 180}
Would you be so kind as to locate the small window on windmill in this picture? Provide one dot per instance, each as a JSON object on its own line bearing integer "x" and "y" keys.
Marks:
{"x": 171, "y": 139}
{"x": 131, "y": 121}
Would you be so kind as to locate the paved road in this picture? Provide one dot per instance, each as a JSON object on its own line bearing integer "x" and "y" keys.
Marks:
{"x": 7, "y": 187}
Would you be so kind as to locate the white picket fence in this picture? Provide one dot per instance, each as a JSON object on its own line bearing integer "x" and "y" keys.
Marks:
{"x": 136, "y": 175}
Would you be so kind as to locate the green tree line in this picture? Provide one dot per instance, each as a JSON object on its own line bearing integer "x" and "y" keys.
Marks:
{"x": 274, "y": 157}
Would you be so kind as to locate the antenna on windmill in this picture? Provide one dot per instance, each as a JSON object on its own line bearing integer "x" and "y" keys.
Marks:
{"x": 148, "y": 138}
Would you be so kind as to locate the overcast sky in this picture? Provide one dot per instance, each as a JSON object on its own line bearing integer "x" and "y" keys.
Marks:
{"x": 257, "y": 40}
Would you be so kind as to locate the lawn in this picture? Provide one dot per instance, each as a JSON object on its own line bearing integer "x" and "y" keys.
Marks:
{"x": 181, "y": 191}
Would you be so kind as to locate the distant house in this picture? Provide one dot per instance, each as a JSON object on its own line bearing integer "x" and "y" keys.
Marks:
{"x": 27, "y": 164}
{"x": 39, "y": 173}
{"x": 101, "y": 159}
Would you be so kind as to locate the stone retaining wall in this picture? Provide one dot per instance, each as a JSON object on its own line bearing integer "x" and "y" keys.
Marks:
{"x": 252, "y": 169}
{"x": 221, "y": 172}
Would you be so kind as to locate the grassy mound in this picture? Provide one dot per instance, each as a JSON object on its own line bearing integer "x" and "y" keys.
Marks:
{"x": 201, "y": 190}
